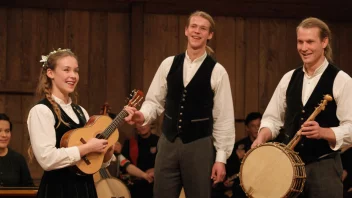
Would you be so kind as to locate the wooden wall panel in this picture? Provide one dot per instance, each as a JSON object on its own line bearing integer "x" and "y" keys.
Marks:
{"x": 118, "y": 61}
{"x": 161, "y": 41}
{"x": 2, "y": 103}
{"x": 76, "y": 37}
{"x": 97, "y": 61}
{"x": 271, "y": 58}
{"x": 13, "y": 108}
{"x": 182, "y": 39}
{"x": 14, "y": 47}
{"x": 137, "y": 46}
{"x": 55, "y": 31}
{"x": 3, "y": 43}
{"x": 238, "y": 73}
{"x": 118, "y": 75}
{"x": 251, "y": 91}
{"x": 34, "y": 37}
{"x": 14, "y": 111}
{"x": 226, "y": 48}
{"x": 27, "y": 102}
{"x": 238, "y": 85}
{"x": 293, "y": 59}
{"x": 346, "y": 48}
{"x": 336, "y": 31}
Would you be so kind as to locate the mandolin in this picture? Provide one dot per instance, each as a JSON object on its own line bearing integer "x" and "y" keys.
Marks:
{"x": 101, "y": 127}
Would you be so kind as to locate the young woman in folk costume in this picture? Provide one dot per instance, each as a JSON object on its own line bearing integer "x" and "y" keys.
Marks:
{"x": 48, "y": 121}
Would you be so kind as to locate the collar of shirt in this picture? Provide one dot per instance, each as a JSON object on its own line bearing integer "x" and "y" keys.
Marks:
{"x": 198, "y": 60}
{"x": 318, "y": 71}
{"x": 191, "y": 67}
{"x": 61, "y": 102}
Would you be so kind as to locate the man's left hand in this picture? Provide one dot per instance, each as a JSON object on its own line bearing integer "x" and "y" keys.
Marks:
{"x": 218, "y": 172}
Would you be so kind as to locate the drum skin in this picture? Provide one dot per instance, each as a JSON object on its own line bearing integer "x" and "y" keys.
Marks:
{"x": 111, "y": 187}
{"x": 272, "y": 170}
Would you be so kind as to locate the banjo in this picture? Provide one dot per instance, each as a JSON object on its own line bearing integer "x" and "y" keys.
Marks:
{"x": 281, "y": 172}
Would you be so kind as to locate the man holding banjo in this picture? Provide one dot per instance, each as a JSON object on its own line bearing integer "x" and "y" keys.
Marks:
{"x": 295, "y": 99}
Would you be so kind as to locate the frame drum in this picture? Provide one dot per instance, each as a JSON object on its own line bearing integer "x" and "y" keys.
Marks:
{"x": 272, "y": 170}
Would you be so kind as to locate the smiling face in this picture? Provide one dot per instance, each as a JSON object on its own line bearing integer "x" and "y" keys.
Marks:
{"x": 198, "y": 32}
{"x": 5, "y": 134}
{"x": 65, "y": 76}
{"x": 310, "y": 46}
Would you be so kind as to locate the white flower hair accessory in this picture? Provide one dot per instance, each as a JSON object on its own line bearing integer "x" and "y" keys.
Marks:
{"x": 44, "y": 59}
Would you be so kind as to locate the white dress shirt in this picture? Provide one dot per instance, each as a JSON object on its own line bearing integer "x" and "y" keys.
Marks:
{"x": 223, "y": 114}
{"x": 273, "y": 117}
{"x": 41, "y": 127}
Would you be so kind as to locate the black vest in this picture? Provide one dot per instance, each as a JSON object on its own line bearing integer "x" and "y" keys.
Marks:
{"x": 62, "y": 129}
{"x": 296, "y": 114}
{"x": 188, "y": 110}
{"x": 68, "y": 183}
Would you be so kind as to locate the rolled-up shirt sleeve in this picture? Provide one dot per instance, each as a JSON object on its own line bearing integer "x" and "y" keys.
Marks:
{"x": 153, "y": 105}
{"x": 42, "y": 134}
{"x": 273, "y": 117}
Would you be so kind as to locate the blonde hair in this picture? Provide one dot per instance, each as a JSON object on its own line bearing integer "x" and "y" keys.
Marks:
{"x": 44, "y": 87}
{"x": 206, "y": 16}
{"x": 324, "y": 32}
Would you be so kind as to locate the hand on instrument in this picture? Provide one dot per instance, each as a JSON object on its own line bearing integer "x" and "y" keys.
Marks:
{"x": 256, "y": 143}
{"x": 264, "y": 135}
{"x": 97, "y": 145}
{"x": 93, "y": 145}
{"x": 218, "y": 172}
{"x": 240, "y": 153}
{"x": 228, "y": 183}
{"x": 134, "y": 116}
{"x": 312, "y": 130}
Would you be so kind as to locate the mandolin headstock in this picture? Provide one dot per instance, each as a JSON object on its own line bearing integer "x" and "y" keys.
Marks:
{"x": 135, "y": 98}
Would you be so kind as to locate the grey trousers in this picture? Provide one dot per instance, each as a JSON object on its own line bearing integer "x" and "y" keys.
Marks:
{"x": 324, "y": 179}
{"x": 180, "y": 165}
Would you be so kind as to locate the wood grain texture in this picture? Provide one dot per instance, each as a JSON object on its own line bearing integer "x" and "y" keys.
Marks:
{"x": 76, "y": 37}
{"x": 161, "y": 41}
{"x": 97, "y": 61}
{"x": 121, "y": 50}
{"x": 3, "y": 43}
{"x": 14, "y": 58}
{"x": 271, "y": 58}
{"x": 252, "y": 40}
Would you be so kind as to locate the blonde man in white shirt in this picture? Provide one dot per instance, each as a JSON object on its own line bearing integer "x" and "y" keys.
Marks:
{"x": 294, "y": 100}
{"x": 193, "y": 91}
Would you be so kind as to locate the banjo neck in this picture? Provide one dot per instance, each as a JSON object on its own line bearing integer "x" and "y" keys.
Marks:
{"x": 298, "y": 136}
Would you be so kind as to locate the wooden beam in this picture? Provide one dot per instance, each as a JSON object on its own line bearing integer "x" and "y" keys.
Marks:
{"x": 18, "y": 87}
{"x": 94, "y": 5}
{"x": 255, "y": 8}
{"x": 325, "y": 9}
